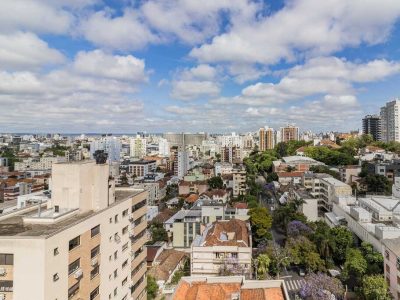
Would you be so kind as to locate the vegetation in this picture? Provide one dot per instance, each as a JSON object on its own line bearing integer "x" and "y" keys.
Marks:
{"x": 152, "y": 288}
{"x": 57, "y": 150}
{"x": 261, "y": 222}
{"x": 158, "y": 233}
{"x": 9, "y": 153}
{"x": 263, "y": 262}
{"x": 330, "y": 157}
{"x": 321, "y": 286}
{"x": 215, "y": 182}
{"x": 284, "y": 214}
{"x": 326, "y": 170}
{"x": 375, "y": 287}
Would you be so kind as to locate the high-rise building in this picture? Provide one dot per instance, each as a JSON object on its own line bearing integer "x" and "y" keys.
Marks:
{"x": 231, "y": 154}
{"x": 181, "y": 162}
{"x": 289, "y": 133}
{"x": 371, "y": 124}
{"x": 267, "y": 138}
{"x": 163, "y": 147}
{"x": 138, "y": 147}
{"x": 390, "y": 121}
{"x": 110, "y": 145}
{"x": 86, "y": 242}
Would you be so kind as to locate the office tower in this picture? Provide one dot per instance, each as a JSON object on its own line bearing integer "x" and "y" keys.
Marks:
{"x": 181, "y": 162}
{"x": 86, "y": 242}
{"x": 138, "y": 147}
{"x": 289, "y": 133}
{"x": 390, "y": 122}
{"x": 371, "y": 124}
{"x": 110, "y": 145}
{"x": 267, "y": 138}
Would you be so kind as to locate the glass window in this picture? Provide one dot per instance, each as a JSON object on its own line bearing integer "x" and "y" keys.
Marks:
{"x": 73, "y": 290}
{"x": 125, "y": 213}
{"x": 94, "y": 272}
{"x": 75, "y": 242}
{"x": 124, "y": 264}
{"x": 95, "y": 231}
{"x": 124, "y": 247}
{"x": 125, "y": 230}
{"x": 95, "y": 251}
{"x": 124, "y": 281}
{"x": 94, "y": 293}
{"x": 55, "y": 251}
{"x": 55, "y": 277}
{"x": 73, "y": 266}
{"x": 6, "y": 259}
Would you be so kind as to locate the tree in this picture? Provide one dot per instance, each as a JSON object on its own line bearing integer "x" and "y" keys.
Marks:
{"x": 158, "y": 232}
{"x": 378, "y": 183}
{"x": 373, "y": 258}
{"x": 304, "y": 253}
{"x": 272, "y": 177}
{"x": 279, "y": 257}
{"x": 263, "y": 262}
{"x": 296, "y": 228}
{"x": 355, "y": 266}
{"x": 215, "y": 182}
{"x": 320, "y": 286}
{"x": 287, "y": 213}
{"x": 152, "y": 287}
{"x": 261, "y": 222}
{"x": 343, "y": 240}
{"x": 375, "y": 287}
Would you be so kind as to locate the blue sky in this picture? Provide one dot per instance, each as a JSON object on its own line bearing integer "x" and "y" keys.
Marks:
{"x": 188, "y": 65}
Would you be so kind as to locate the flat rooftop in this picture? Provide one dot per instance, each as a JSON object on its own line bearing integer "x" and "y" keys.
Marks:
{"x": 15, "y": 226}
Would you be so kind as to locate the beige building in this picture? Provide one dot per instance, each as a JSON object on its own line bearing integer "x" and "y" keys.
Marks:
{"x": 224, "y": 246}
{"x": 267, "y": 138}
{"x": 289, "y": 133}
{"x": 86, "y": 242}
{"x": 391, "y": 254}
{"x": 239, "y": 182}
{"x": 330, "y": 188}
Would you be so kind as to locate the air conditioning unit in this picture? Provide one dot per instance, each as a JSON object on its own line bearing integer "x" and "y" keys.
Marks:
{"x": 94, "y": 261}
{"x": 78, "y": 274}
{"x": 2, "y": 296}
{"x": 130, "y": 217}
{"x": 3, "y": 272}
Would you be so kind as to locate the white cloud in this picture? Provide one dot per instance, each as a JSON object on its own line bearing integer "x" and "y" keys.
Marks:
{"x": 303, "y": 27}
{"x": 189, "y": 90}
{"x": 33, "y": 15}
{"x": 179, "y": 110}
{"x": 200, "y": 72}
{"x": 26, "y": 51}
{"x": 124, "y": 32}
{"x": 99, "y": 64}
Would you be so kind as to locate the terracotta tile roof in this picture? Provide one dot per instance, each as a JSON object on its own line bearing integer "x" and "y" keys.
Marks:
{"x": 192, "y": 198}
{"x": 329, "y": 143}
{"x": 216, "y": 192}
{"x": 290, "y": 174}
{"x": 240, "y": 205}
{"x": 202, "y": 290}
{"x": 228, "y": 233}
{"x": 166, "y": 263}
{"x": 151, "y": 252}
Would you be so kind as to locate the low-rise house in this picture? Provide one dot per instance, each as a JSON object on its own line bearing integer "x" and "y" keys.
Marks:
{"x": 188, "y": 187}
{"x": 219, "y": 195}
{"x": 224, "y": 246}
{"x": 299, "y": 163}
{"x": 348, "y": 174}
{"x": 286, "y": 178}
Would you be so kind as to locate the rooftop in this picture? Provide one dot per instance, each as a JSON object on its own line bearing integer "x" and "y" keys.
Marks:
{"x": 393, "y": 244}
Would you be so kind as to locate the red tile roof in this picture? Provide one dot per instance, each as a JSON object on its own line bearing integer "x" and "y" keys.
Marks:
{"x": 228, "y": 233}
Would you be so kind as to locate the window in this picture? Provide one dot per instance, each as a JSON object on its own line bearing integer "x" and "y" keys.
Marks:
{"x": 387, "y": 269}
{"x": 387, "y": 254}
{"x": 115, "y": 254}
{"x": 124, "y": 247}
{"x": 234, "y": 255}
{"x": 75, "y": 242}
{"x": 94, "y": 293}
{"x": 115, "y": 292}
{"x": 124, "y": 281}
{"x": 110, "y": 220}
{"x": 95, "y": 231}
{"x": 124, "y": 264}
{"x": 95, "y": 251}
{"x": 55, "y": 277}
{"x": 55, "y": 251}
{"x": 6, "y": 259}
{"x": 125, "y": 213}
{"x": 116, "y": 219}
{"x": 73, "y": 290}
{"x": 115, "y": 273}
{"x": 94, "y": 272}
{"x": 74, "y": 266}
{"x": 125, "y": 230}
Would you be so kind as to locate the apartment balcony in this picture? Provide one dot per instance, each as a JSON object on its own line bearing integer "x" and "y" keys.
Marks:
{"x": 139, "y": 289}
{"x": 139, "y": 212}
{"x": 137, "y": 229}
{"x": 136, "y": 244}
{"x": 138, "y": 259}
{"x": 139, "y": 274}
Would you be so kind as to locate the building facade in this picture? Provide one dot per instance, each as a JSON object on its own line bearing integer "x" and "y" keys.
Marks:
{"x": 390, "y": 122}
{"x": 371, "y": 124}
{"x": 266, "y": 138}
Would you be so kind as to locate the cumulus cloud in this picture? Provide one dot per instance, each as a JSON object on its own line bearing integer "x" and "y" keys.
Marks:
{"x": 179, "y": 110}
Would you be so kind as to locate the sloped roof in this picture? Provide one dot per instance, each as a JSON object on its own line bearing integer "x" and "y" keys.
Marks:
{"x": 166, "y": 263}
{"x": 227, "y": 233}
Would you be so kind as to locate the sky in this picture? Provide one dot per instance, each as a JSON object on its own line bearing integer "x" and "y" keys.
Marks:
{"x": 122, "y": 66}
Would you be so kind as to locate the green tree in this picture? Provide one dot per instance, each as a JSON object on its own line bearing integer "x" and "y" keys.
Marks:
{"x": 152, "y": 288}
{"x": 272, "y": 177}
{"x": 158, "y": 233}
{"x": 374, "y": 259}
{"x": 215, "y": 182}
{"x": 355, "y": 266}
{"x": 342, "y": 240}
{"x": 375, "y": 287}
{"x": 303, "y": 252}
{"x": 378, "y": 183}
{"x": 261, "y": 222}
{"x": 263, "y": 266}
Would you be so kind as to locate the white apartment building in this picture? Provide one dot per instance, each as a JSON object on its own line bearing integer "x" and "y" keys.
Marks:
{"x": 390, "y": 121}
{"x": 86, "y": 242}
{"x": 138, "y": 147}
{"x": 181, "y": 163}
{"x": 330, "y": 189}
{"x": 44, "y": 163}
{"x": 222, "y": 168}
{"x": 141, "y": 168}
{"x": 223, "y": 244}
{"x": 163, "y": 147}
{"x": 110, "y": 145}
{"x": 233, "y": 140}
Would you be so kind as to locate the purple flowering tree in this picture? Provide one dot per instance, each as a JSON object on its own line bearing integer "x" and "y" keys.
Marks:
{"x": 296, "y": 228}
{"x": 322, "y": 287}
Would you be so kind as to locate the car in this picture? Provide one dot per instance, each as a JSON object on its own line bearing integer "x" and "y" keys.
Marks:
{"x": 302, "y": 273}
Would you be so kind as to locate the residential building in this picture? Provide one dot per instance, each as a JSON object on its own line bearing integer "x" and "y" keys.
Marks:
{"x": 138, "y": 146}
{"x": 286, "y": 178}
{"x": 371, "y": 124}
{"x": 181, "y": 162}
{"x": 349, "y": 173}
{"x": 43, "y": 163}
{"x": 239, "y": 182}
{"x": 163, "y": 147}
{"x": 222, "y": 169}
{"x": 231, "y": 154}
{"x": 141, "y": 168}
{"x": 298, "y": 163}
{"x": 330, "y": 189}
{"x": 266, "y": 138}
{"x": 110, "y": 145}
{"x": 289, "y": 133}
{"x": 229, "y": 287}
{"x": 390, "y": 121}
{"x": 391, "y": 255}
{"x": 86, "y": 242}
{"x": 222, "y": 245}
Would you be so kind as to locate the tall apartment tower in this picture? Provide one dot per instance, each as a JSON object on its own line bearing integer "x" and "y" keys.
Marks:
{"x": 138, "y": 147}
{"x": 86, "y": 242}
{"x": 390, "y": 122}
{"x": 267, "y": 138}
{"x": 289, "y": 133}
{"x": 371, "y": 124}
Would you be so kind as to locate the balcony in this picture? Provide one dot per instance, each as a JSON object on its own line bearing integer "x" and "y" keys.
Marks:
{"x": 138, "y": 259}
{"x": 139, "y": 274}
{"x": 139, "y": 241}
{"x": 137, "y": 229}
{"x": 139, "y": 212}
{"x": 138, "y": 289}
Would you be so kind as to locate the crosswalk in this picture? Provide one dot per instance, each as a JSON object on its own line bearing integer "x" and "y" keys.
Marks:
{"x": 294, "y": 285}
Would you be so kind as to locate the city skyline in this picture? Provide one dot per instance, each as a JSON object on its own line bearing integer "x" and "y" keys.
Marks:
{"x": 122, "y": 66}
